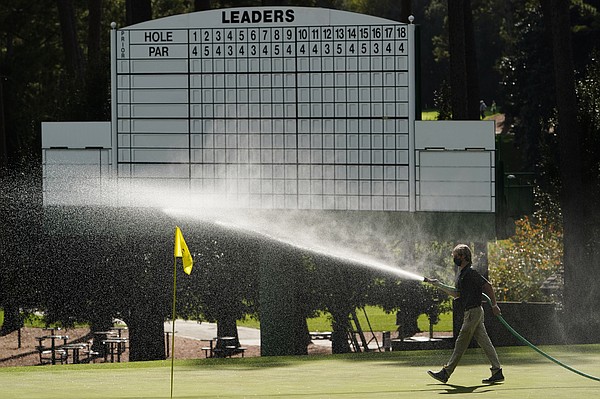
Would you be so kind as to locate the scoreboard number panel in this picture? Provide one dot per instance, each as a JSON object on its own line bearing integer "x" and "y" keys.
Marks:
{"x": 274, "y": 108}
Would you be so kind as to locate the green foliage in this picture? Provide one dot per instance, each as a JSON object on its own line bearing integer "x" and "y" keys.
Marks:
{"x": 588, "y": 91}
{"x": 442, "y": 102}
{"x": 519, "y": 265}
{"x": 486, "y": 23}
{"x": 429, "y": 115}
{"x": 527, "y": 81}
{"x": 37, "y": 321}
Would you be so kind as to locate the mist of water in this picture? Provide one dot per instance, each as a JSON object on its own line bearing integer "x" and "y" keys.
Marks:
{"x": 304, "y": 237}
{"x": 324, "y": 234}
{"x": 345, "y": 257}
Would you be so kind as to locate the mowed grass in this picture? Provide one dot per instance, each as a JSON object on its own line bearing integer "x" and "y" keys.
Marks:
{"x": 379, "y": 320}
{"x": 370, "y": 375}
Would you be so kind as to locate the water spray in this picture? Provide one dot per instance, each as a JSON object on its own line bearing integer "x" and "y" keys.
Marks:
{"x": 356, "y": 259}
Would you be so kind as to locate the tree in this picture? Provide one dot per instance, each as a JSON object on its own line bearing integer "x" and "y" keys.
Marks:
{"x": 589, "y": 97}
{"x": 463, "y": 61}
{"x": 96, "y": 78}
{"x": 3, "y": 149}
{"x": 487, "y": 18}
{"x": 588, "y": 90}
{"x": 73, "y": 55}
{"x": 20, "y": 226}
{"x": 343, "y": 288}
{"x": 471, "y": 64}
{"x": 202, "y": 5}
{"x": 528, "y": 88}
{"x": 138, "y": 11}
{"x": 390, "y": 9}
{"x": 578, "y": 264}
{"x": 223, "y": 286}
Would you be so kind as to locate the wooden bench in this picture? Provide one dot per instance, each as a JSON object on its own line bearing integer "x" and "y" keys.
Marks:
{"x": 208, "y": 351}
{"x": 51, "y": 354}
{"x": 234, "y": 350}
{"x": 91, "y": 354}
{"x": 227, "y": 351}
{"x": 320, "y": 335}
{"x": 218, "y": 348}
{"x": 46, "y": 357}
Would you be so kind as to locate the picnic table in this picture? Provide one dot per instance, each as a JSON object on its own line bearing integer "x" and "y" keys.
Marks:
{"x": 119, "y": 329}
{"x": 74, "y": 348}
{"x": 223, "y": 347}
{"x": 114, "y": 346}
{"x": 53, "y": 353}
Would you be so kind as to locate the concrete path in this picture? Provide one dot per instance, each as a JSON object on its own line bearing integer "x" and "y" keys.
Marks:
{"x": 206, "y": 331}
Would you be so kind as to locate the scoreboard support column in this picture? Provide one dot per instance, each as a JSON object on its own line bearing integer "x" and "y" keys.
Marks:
{"x": 113, "y": 97}
{"x": 411, "y": 125}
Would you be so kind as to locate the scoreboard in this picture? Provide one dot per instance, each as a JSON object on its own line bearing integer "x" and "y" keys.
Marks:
{"x": 271, "y": 108}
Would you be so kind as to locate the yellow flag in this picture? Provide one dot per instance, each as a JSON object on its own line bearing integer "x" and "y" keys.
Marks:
{"x": 182, "y": 251}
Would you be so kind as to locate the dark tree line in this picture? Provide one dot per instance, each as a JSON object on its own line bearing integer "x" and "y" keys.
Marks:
{"x": 544, "y": 109}
{"x": 54, "y": 65}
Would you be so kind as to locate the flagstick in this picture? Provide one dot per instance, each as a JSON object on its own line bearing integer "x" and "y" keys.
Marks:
{"x": 173, "y": 334}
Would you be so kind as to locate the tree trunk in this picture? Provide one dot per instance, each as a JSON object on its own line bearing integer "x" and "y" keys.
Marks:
{"x": 275, "y": 2}
{"x": 281, "y": 317}
{"x": 96, "y": 84}
{"x": 578, "y": 266}
{"x": 339, "y": 333}
{"x": 3, "y": 147}
{"x": 94, "y": 28}
{"x": 146, "y": 335}
{"x": 458, "y": 60}
{"x": 227, "y": 327}
{"x": 472, "y": 70}
{"x": 99, "y": 321}
{"x": 463, "y": 61}
{"x": 138, "y": 11}
{"x": 12, "y": 318}
{"x": 202, "y": 5}
{"x": 405, "y": 10}
{"x": 68, "y": 25}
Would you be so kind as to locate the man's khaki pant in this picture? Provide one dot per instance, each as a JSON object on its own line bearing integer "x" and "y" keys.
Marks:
{"x": 472, "y": 327}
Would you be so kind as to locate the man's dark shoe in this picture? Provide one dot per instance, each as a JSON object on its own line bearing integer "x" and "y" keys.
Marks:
{"x": 441, "y": 376}
{"x": 497, "y": 376}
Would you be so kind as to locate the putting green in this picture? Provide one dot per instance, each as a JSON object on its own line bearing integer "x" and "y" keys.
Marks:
{"x": 371, "y": 375}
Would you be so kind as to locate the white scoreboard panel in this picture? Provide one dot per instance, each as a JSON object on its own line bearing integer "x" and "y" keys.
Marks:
{"x": 274, "y": 108}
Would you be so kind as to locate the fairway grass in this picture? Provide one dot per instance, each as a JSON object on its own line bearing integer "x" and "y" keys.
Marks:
{"x": 367, "y": 375}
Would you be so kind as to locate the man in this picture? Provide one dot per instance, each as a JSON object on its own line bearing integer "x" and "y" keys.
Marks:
{"x": 469, "y": 287}
{"x": 482, "y": 108}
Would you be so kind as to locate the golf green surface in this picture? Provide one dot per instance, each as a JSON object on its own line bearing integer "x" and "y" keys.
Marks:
{"x": 366, "y": 375}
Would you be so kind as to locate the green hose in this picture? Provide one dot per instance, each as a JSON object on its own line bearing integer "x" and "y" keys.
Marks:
{"x": 538, "y": 350}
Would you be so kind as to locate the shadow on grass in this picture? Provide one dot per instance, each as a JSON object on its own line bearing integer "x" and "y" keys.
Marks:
{"x": 454, "y": 389}
{"x": 508, "y": 356}
{"x": 417, "y": 358}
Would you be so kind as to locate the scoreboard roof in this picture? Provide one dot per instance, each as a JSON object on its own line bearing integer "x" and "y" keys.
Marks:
{"x": 265, "y": 16}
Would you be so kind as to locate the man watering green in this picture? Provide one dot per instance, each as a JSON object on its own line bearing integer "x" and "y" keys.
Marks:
{"x": 469, "y": 288}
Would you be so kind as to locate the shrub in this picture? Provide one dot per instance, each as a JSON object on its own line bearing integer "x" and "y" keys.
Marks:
{"x": 519, "y": 265}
